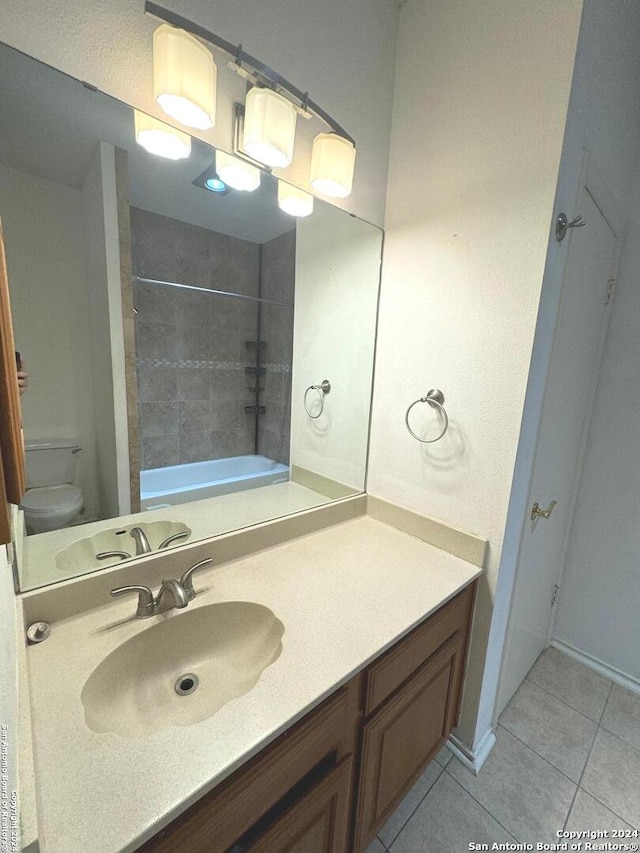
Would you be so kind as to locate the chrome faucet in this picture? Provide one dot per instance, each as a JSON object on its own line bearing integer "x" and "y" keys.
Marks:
{"x": 143, "y": 545}
{"x": 172, "y": 593}
{"x": 140, "y": 538}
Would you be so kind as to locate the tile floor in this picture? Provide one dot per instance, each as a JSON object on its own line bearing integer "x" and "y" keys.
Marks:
{"x": 567, "y": 757}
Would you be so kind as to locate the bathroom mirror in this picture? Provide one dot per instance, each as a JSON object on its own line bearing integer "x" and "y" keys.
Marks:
{"x": 198, "y": 361}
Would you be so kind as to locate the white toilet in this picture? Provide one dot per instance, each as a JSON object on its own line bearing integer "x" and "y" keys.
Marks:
{"x": 51, "y": 500}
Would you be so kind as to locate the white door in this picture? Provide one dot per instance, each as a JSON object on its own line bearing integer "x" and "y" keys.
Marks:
{"x": 575, "y": 362}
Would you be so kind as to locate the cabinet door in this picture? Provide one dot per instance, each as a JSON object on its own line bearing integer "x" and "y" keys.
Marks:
{"x": 318, "y": 823}
{"x": 403, "y": 736}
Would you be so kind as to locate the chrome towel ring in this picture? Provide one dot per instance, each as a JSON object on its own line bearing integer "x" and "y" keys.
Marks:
{"x": 435, "y": 398}
{"x": 323, "y": 389}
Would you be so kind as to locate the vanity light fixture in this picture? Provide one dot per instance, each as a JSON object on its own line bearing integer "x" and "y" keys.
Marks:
{"x": 184, "y": 77}
{"x": 159, "y": 138}
{"x": 293, "y": 201}
{"x": 272, "y": 107}
{"x": 332, "y": 162}
{"x": 269, "y": 127}
{"x": 237, "y": 173}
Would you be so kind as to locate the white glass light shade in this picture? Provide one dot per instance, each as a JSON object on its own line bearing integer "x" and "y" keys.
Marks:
{"x": 236, "y": 173}
{"x": 159, "y": 138}
{"x": 269, "y": 127}
{"x": 293, "y": 201}
{"x": 184, "y": 77}
{"x": 332, "y": 162}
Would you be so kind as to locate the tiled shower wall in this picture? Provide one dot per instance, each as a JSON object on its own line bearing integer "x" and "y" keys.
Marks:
{"x": 190, "y": 346}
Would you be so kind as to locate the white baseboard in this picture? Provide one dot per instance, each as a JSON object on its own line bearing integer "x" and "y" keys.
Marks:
{"x": 473, "y": 760}
{"x": 598, "y": 665}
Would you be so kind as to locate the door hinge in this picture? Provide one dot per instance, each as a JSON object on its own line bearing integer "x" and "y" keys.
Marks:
{"x": 611, "y": 286}
{"x": 556, "y": 590}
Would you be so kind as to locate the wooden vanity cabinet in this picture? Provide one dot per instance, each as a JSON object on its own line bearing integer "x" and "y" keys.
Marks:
{"x": 412, "y": 701}
{"x": 329, "y": 783}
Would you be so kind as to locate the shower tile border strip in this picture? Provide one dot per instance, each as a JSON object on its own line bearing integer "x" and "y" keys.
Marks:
{"x": 210, "y": 365}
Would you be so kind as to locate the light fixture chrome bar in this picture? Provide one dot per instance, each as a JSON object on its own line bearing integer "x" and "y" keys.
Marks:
{"x": 240, "y": 56}
{"x": 140, "y": 280}
{"x": 238, "y": 130}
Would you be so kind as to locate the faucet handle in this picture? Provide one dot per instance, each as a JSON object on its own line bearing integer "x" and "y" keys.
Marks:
{"x": 187, "y": 578}
{"x": 109, "y": 555}
{"x": 145, "y": 598}
{"x": 173, "y": 538}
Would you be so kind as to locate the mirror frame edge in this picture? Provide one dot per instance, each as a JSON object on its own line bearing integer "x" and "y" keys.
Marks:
{"x": 11, "y": 440}
{"x": 5, "y": 511}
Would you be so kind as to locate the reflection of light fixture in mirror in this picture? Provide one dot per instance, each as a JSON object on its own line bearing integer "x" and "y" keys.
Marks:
{"x": 159, "y": 138}
{"x": 293, "y": 201}
{"x": 237, "y": 173}
{"x": 332, "y": 162}
{"x": 184, "y": 77}
{"x": 269, "y": 127}
{"x": 211, "y": 181}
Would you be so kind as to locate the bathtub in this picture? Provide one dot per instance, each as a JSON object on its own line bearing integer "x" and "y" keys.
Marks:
{"x": 178, "y": 484}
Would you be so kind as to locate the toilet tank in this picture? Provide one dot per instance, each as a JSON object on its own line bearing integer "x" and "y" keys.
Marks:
{"x": 51, "y": 463}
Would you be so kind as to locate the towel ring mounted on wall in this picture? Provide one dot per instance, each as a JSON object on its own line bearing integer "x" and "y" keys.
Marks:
{"x": 323, "y": 389}
{"x": 435, "y": 398}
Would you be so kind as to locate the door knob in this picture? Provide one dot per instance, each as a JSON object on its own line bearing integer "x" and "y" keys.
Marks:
{"x": 537, "y": 512}
{"x": 563, "y": 225}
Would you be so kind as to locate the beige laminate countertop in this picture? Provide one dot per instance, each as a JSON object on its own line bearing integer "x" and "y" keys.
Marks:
{"x": 344, "y": 594}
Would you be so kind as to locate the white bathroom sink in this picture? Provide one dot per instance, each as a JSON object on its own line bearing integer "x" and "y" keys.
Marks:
{"x": 82, "y": 554}
{"x": 182, "y": 670}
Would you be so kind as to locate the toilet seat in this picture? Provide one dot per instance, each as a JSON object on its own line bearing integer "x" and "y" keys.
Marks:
{"x": 51, "y": 500}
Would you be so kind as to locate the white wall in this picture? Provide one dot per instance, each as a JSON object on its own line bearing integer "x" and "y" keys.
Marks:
{"x": 343, "y": 53}
{"x": 8, "y": 693}
{"x": 101, "y": 247}
{"x": 479, "y": 113}
{"x": 602, "y": 119}
{"x": 43, "y": 224}
{"x": 337, "y": 275}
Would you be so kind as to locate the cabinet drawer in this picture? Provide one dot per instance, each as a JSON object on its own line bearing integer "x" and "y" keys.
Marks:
{"x": 215, "y": 822}
{"x": 394, "y": 667}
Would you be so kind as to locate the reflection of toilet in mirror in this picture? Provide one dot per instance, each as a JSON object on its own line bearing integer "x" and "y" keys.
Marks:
{"x": 51, "y": 500}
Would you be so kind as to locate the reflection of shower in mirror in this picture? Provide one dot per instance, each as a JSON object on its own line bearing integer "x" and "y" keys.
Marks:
{"x": 177, "y": 484}
{"x": 213, "y": 351}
